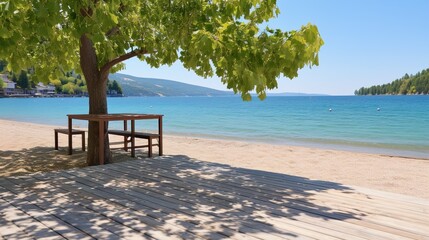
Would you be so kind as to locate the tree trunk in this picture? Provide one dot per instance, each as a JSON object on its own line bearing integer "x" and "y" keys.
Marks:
{"x": 97, "y": 105}
{"x": 97, "y": 86}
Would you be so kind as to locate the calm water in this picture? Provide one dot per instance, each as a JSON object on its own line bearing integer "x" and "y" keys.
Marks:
{"x": 400, "y": 127}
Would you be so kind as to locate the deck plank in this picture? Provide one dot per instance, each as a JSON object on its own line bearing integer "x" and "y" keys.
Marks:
{"x": 118, "y": 210}
{"x": 288, "y": 181}
{"x": 378, "y": 223}
{"x": 293, "y": 205}
{"x": 305, "y": 229}
{"x": 173, "y": 203}
{"x": 168, "y": 207}
{"x": 417, "y": 213}
{"x": 151, "y": 208}
{"x": 174, "y": 197}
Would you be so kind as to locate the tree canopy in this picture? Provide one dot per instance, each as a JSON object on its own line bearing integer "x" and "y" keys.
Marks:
{"x": 210, "y": 37}
{"x": 220, "y": 38}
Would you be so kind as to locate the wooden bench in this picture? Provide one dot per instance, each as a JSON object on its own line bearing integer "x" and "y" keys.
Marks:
{"x": 66, "y": 131}
{"x": 143, "y": 135}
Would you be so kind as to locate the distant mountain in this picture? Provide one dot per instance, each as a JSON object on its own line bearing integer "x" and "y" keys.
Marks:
{"x": 293, "y": 94}
{"x": 137, "y": 86}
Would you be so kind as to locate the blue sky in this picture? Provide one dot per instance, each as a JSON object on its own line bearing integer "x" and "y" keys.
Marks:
{"x": 367, "y": 42}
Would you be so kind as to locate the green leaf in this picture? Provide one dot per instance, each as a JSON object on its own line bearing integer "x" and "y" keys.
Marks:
{"x": 246, "y": 96}
{"x": 114, "y": 18}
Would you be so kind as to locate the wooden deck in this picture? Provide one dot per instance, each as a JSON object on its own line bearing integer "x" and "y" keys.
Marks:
{"x": 174, "y": 197}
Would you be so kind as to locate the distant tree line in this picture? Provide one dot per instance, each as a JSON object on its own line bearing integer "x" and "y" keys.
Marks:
{"x": 71, "y": 83}
{"x": 408, "y": 84}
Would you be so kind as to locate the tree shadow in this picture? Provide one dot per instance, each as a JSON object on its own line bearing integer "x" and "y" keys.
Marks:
{"x": 38, "y": 159}
{"x": 46, "y": 159}
{"x": 178, "y": 196}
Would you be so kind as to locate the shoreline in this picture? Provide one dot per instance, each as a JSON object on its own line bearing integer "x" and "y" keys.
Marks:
{"x": 27, "y": 147}
{"x": 383, "y": 151}
{"x": 327, "y": 145}
{"x": 354, "y": 125}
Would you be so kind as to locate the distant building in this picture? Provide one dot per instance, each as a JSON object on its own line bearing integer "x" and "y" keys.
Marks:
{"x": 9, "y": 84}
{"x": 42, "y": 89}
{"x": 10, "y": 88}
{"x": 5, "y": 79}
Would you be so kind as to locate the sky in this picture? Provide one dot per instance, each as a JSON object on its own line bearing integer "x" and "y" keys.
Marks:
{"x": 367, "y": 42}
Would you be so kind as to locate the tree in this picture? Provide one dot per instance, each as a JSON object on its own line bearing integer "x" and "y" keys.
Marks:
{"x": 210, "y": 37}
{"x": 113, "y": 87}
{"x": 23, "y": 81}
{"x": 116, "y": 87}
{"x": 14, "y": 78}
{"x": 3, "y": 65}
{"x": 57, "y": 84}
{"x": 68, "y": 88}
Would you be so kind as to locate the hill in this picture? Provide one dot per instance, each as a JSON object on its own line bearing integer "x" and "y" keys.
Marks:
{"x": 295, "y": 94}
{"x": 408, "y": 84}
{"x": 137, "y": 86}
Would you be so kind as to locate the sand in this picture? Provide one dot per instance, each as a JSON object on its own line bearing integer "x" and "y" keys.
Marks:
{"x": 26, "y": 148}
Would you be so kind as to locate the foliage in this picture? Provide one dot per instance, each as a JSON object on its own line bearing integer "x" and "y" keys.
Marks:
{"x": 14, "y": 78}
{"x": 408, "y": 84}
{"x": 221, "y": 38}
{"x": 23, "y": 81}
{"x": 3, "y": 65}
{"x": 114, "y": 87}
{"x": 210, "y": 37}
{"x": 68, "y": 88}
{"x": 57, "y": 84}
{"x": 69, "y": 83}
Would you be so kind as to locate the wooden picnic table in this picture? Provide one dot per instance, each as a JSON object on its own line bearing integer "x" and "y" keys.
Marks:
{"x": 103, "y": 119}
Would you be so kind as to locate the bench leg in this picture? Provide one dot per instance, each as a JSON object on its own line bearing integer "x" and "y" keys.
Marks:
{"x": 83, "y": 142}
{"x": 150, "y": 147}
{"x": 126, "y": 144}
{"x": 125, "y": 137}
{"x": 126, "y": 141}
{"x": 56, "y": 140}
{"x": 70, "y": 138}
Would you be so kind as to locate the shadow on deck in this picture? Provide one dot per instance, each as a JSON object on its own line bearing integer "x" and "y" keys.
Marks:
{"x": 179, "y": 197}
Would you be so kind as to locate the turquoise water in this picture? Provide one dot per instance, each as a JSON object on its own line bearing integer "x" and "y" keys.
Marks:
{"x": 400, "y": 127}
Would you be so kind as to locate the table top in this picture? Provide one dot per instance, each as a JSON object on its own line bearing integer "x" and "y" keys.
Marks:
{"x": 114, "y": 116}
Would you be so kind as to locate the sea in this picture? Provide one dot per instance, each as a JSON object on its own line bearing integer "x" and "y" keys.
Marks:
{"x": 389, "y": 125}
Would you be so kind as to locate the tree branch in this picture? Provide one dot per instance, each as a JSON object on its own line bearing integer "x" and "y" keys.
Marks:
{"x": 112, "y": 31}
{"x": 106, "y": 67}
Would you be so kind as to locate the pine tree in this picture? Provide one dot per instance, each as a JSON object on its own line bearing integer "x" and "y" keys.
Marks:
{"x": 23, "y": 81}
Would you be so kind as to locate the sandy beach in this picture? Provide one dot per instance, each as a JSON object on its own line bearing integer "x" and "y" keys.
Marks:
{"x": 27, "y": 148}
